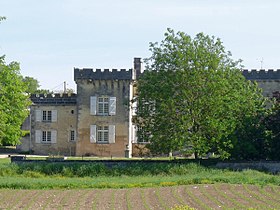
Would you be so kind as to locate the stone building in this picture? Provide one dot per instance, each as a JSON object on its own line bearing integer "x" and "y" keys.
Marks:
{"x": 97, "y": 121}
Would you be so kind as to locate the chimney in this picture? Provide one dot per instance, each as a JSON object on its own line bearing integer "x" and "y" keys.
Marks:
{"x": 137, "y": 66}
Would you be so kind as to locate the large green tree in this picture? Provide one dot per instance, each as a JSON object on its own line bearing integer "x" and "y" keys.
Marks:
{"x": 193, "y": 96}
{"x": 14, "y": 103}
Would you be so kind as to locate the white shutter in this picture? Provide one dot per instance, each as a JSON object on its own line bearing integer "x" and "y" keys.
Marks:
{"x": 53, "y": 136}
{"x": 38, "y": 115}
{"x": 92, "y": 134}
{"x": 38, "y": 136}
{"x": 54, "y": 115}
{"x": 112, "y": 134}
{"x": 112, "y": 106}
{"x": 93, "y": 105}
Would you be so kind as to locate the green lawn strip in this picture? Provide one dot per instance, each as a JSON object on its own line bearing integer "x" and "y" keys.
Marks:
{"x": 58, "y": 182}
{"x": 232, "y": 200}
{"x": 143, "y": 198}
{"x": 196, "y": 199}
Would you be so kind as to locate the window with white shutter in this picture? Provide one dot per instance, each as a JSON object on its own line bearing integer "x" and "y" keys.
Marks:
{"x": 53, "y": 136}
{"x": 38, "y": 136}
{"x": 38, "y": 115}
{"x": 54, "y": 115}
{"x": 93, "y": 105}
{"x": 46, "y": 136}
{"x": 92, "y": 137}
{"x": 112, "y": 106}
{"x": 112, "y": 134}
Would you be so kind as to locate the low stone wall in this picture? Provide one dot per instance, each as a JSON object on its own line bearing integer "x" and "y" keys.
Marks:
{"x": 270, "y": 166}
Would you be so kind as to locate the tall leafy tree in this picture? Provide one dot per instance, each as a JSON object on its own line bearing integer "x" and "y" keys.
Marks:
{"x": 272, "y": 123}
{"x": 32, "y": 84}
{"x": 193, "y": 96}
{"x": 14, "y": 103}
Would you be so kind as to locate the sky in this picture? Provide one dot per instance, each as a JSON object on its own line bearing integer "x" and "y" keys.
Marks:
{"x": 51, "y": 37}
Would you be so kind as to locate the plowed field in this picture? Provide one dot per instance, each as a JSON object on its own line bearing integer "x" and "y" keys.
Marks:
{"x": 217, "y": 196}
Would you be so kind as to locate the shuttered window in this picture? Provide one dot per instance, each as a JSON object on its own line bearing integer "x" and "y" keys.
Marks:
{"x": 45, "y": 136}
{"x": 103, "y": 105}
{"x": 46, "y": 115}
{"x": 102, "y": 134}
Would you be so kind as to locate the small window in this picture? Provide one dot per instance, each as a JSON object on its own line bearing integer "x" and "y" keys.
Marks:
{"x": 103, "y": 105}
{"x": 47, "y": 116}
{"x": 72, "y": 111}
{"x": 103, "y": 134}
{"x": 46, "y": 136}
{"x": 72, "y": 135}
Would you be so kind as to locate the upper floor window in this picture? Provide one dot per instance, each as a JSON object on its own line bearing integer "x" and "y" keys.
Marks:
{"x": 103, "y": 105}
{"x": 45, "y": 115}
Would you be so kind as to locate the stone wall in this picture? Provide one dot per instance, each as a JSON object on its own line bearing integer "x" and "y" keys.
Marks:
{"x": 106, "y": 84}
{"x": 66, "y": 121}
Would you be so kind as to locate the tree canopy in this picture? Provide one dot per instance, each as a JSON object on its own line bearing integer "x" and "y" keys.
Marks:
{"x": 193, "y": 96}
{"x": 14, "y": 103}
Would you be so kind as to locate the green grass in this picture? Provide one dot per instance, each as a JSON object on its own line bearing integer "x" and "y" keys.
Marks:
{"x": 82, "y": 176}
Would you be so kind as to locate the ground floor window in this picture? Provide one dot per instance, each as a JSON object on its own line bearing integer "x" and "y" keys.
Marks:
{"x": 102, "y": 133}
{"x": 72, "y": 135}
{"x": 46, "y": 136}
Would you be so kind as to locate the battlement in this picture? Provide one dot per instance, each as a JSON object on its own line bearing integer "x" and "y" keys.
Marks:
{"x": 262, "y": 74}
{"x": 106, "y": 74}
{"x": 54, "y": 99}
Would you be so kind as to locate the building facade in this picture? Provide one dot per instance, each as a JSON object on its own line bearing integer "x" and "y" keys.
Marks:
{"x": 97, "y": 121}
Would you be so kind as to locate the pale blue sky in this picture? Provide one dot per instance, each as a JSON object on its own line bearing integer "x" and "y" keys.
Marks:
{"x": 51, "y": 37}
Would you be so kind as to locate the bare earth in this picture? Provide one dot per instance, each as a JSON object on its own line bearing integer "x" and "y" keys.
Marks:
{"x": 218, "y": 196}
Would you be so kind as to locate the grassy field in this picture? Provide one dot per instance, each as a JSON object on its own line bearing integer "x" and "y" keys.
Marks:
{"x": 141, "y": 186}
{"x": 83, "y": 176}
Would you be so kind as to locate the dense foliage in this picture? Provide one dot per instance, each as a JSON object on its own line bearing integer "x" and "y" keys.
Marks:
{"x": 14, "y": 103}
{"x": 193, "y": 97}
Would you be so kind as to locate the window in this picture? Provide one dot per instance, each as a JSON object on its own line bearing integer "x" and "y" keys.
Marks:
{"x": 46, "y": 136}
{"x": 103, "y": 105}
{"x": 142, "y": 136}
{"x": 102, "y": 133}
{"x": 72, "y": 135}
{"x": 46, "y": 115}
